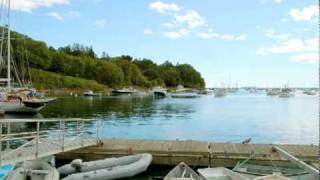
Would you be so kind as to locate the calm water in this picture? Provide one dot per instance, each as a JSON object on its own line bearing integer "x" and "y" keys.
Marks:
{"x": 229, "y": 119}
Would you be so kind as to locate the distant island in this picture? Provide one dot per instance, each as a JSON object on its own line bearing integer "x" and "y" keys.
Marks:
{"x": 78, "y": 67}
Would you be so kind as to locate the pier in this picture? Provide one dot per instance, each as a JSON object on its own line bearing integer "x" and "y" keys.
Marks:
{"x": 194, "y": 153}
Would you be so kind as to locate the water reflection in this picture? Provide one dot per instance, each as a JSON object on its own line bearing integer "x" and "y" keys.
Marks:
{"x": 229, "y": 119}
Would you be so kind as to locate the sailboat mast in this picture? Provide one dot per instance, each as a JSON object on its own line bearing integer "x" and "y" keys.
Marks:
{"x": 9, "y": 53}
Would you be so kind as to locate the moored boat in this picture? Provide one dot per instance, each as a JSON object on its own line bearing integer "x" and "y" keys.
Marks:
{"x": 220, "y": 93}
{"x": 111, "y": 168}
{"x": 182, "y": 172}
{"x": 34, "y": 170}
{"x": 159, "y": 92}
{"x": 91, "y": 93}
{"x": 220, "y": 173}
{"x": 124, "y": 91}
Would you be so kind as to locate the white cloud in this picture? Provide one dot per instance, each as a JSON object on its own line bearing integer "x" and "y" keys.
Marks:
{"x": 177, "y": 34}
{"x": 55, "y": 15}
{"x": 191, "y": 18}
{"x": 100, "y": 22}
{"x": 305, "y": 14}
{"x": 292, "y": 46}
{"x": 306, "y": 58}
{"x": 164, "y": 8}
{"x": 227, "y": 37}
{"x": 147, "y": 31}
{"x": 61, "y": 16}
{"x": 29, "y": 5}
{"x": 277, "y": 1}
{"x": 270, "y": 33}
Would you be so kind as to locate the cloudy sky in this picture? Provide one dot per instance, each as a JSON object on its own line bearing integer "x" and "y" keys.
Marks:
{"x": 251, "y": 42}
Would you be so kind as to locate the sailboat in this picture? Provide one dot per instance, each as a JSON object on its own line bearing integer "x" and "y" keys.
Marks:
{"x": 16, "y": 100}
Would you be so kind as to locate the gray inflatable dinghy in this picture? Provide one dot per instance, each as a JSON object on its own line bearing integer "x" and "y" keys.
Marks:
{"x": 111, "y": 168}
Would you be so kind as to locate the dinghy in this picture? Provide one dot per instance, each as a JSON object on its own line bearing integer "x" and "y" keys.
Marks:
{"x": 275, "y": 176}
{"x": 220, "y": 173}
{"x": 182, "y": 172}
{"x": 111, "y": 168}
{"x": 34, "y": 170}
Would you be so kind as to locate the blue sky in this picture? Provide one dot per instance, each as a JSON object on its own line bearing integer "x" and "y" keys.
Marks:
{"x": 251, "y": 42}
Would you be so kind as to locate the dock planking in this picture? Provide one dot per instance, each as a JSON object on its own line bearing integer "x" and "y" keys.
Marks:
{"x": 194, "y": 153}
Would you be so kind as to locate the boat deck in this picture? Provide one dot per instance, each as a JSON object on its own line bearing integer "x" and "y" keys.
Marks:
{"x": 194, "y": 153}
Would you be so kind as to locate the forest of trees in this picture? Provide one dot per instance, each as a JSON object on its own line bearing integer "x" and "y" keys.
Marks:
{"x": 79, "y": 61}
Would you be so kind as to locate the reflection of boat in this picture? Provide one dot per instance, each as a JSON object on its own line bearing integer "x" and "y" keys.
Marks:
{"x": 220, "y": 173}
{"x": 111, "y": 168}
{"x": 91, "y": 93}
{"x": 220, "y": 92}
{"x": 182, "y": 172}
{"x": 185, "y": 95}
{"x": 5, "y": 170}
{"x": 34, "y": 170}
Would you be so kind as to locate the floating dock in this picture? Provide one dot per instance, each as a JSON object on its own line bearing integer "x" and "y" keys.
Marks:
{"x": 194, "y": 153}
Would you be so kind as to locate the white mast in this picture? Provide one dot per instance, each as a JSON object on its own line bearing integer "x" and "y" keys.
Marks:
{"x": 9, "y": 53}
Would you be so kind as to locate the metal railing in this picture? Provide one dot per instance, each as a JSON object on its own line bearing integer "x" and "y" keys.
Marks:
{"x": 44, "y": 137}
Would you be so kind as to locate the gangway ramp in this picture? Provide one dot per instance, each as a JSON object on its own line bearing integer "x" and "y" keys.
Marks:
{"x": 44, "y": 137}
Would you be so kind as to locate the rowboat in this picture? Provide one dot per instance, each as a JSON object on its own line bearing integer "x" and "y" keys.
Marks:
{"x": 37, "y": 169}
{"x": 182, "y": 172}
{"x": 220, "y": 173}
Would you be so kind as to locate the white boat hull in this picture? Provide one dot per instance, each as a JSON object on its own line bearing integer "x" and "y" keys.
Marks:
{"x": 17, "y": 107}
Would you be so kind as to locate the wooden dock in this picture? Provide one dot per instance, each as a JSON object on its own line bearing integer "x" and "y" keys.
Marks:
{"x": 194, "y": 153}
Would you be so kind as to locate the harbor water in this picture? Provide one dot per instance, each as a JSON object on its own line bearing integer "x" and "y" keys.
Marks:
{"x": 232, "y": 118}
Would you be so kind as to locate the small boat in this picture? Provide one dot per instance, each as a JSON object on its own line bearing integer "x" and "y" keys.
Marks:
{"x": 273, "y": 92}
{"x": 5, "y": 170}
{"x": 20, "y": 103}
{"x": 111, "y": 168}
{"x": 34, "y": 170}
{"x": 124, "y": 91}
{"x": 274, "y": 176}
{"x": 220, "y": 173}
{"x": 159, "y": 92}
{"x": 311, "y": 93}
{"x": 220, "y": 93}
{"x": 91, "y": 93}
{"x": 295, "y": 169}
{"x": 182, "y": 172}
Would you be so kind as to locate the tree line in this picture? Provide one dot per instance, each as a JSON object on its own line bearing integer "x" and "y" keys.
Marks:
{"x": 81, "y": 61}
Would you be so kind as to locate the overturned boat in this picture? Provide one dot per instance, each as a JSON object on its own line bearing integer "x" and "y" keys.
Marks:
{"x": 111, "y": 168}
{"x": 182, "y": 172}
{"x": 34, "y": 170}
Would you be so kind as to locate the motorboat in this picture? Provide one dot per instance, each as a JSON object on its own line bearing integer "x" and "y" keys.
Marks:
{"x": 220, "y": 92}
{"x": 91, "y": 93}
